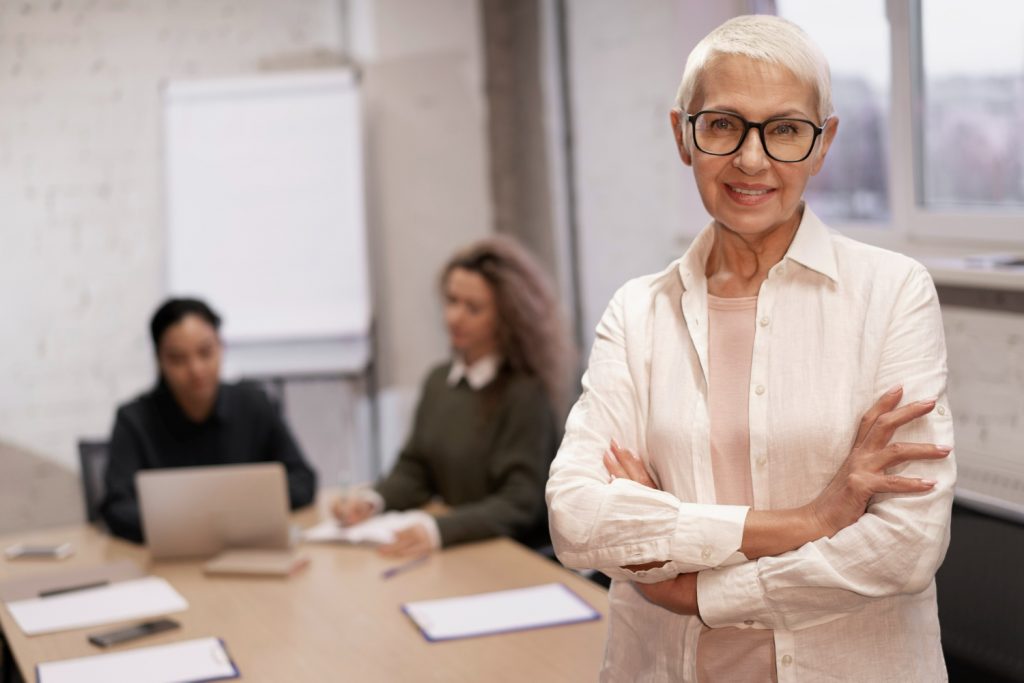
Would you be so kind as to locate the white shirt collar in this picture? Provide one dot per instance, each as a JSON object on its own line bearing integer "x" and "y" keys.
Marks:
{"x": 811, "y": 247}
{"x": 478, "y": 375}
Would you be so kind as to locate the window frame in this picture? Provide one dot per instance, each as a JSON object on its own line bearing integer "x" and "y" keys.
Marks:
{"x": 911, "y": 225}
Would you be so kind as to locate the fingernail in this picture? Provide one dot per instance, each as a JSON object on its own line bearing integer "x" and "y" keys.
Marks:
{"x": 942, "y": 447}
{"x": 615, "y": 444}
{"x": 896, "y": 389}
{"x": 927, "y": 402}
{"x": 929, "y": 482}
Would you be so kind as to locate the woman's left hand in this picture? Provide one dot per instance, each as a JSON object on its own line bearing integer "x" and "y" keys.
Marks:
{"x": 413, "y": 540}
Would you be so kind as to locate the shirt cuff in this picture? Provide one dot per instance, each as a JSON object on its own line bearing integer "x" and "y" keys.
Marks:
{"x": 707, "y": 535}
{"x": 732, "y": 596}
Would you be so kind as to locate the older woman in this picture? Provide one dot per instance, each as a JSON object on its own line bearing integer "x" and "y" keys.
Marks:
{"x": 776, "y": 510}
{"x": 485, "y": 429}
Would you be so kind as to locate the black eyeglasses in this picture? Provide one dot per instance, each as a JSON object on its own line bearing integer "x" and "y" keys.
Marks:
{"x": 784, "y": 139}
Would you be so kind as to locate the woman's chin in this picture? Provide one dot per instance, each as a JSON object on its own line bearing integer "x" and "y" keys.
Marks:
{"x": 753, "y": 223}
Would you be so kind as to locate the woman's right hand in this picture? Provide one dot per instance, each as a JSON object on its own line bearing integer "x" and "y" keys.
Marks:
{"x": 863, "y": 474}
{"x": 352, "y": 510}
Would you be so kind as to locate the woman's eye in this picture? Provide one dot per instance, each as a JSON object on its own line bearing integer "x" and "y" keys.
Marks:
{"x": 784, "y": 128}
{"x": 721, "y": 124}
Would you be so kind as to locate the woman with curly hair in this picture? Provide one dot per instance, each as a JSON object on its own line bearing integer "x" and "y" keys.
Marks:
{"x": 486, "y": 426}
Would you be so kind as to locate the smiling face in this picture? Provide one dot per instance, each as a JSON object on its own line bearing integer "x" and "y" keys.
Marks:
{"x": 471, "y": 314}
{"x": 189, "y": 355}
{"x": 748, "y": 192}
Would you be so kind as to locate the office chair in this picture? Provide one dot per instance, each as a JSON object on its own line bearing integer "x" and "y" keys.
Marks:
{"x": 93, "y": 456}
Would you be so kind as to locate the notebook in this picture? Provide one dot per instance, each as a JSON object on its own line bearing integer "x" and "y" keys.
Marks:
{"x": 203, "y": 659}
{"x": 256, "y": 563}
{"x": 483, "y": 614}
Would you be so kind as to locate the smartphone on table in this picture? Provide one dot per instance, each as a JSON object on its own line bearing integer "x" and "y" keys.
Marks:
{"x": 44, "y": 551}
{"x": 123, "y": 635}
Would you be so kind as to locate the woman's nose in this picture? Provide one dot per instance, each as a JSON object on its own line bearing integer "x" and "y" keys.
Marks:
{"x": 751, "y": 157}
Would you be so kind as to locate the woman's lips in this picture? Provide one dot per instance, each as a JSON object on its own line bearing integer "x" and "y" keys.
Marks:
{"x": 749, "y": 195}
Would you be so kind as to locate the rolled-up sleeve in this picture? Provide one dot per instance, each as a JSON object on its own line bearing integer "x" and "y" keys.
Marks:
{"x": 898, "y": 545}
{"x": 606, "y": 525}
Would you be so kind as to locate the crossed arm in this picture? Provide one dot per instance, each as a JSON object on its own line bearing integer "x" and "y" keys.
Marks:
{"x": 843, "y": 502}
{"x": 862, "y": 538}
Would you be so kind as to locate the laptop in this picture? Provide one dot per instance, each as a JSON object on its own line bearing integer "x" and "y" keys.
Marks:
{"x": 200, "y": 511}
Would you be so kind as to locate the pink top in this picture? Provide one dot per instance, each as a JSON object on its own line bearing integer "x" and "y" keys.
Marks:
{"x": 732, "y": 654}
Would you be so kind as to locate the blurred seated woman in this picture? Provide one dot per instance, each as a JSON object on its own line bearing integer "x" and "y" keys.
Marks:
{"x": 485, "y": 429}
{"x": 192, "y": 418}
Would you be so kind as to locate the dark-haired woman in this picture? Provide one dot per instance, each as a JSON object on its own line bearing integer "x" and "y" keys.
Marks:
{"x": 191, "y": 418}
{"x": 485, "y": 429}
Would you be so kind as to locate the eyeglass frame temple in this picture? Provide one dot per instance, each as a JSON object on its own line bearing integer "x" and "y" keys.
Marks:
{"x": 747, "y": 125}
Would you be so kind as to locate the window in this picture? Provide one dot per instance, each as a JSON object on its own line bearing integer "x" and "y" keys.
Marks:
{"x": 930, "y": 97}
{"x": 854, "y": 185}
{"x": 971, "y": 134}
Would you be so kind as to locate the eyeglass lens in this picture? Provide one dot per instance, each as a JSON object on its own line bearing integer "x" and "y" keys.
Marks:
{"x": 784, "y": 139}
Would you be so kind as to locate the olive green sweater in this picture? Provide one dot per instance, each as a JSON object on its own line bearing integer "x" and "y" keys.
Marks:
{"x": 484, "y": 453}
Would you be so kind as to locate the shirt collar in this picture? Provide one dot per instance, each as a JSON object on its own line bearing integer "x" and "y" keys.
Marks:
{"x": 170, "y": 407}
{"x": 478, "y": 375}
{"x": 811, "y": 247}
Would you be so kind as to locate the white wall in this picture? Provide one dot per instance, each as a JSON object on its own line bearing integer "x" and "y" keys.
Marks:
{"x": 82, "y": 233}
{"x": 82, "y": 229}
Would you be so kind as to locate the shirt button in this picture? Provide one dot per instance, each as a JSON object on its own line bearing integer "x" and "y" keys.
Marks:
{"x": 759, "y": 389}
{"x": 787, "y": 660}
{"x": 940, "y": 410}
{"x": 706, "y": 553}
{"x": 764, "y": 321}
{"x": 761, "y": 462}
{"x": 749, "y": 622}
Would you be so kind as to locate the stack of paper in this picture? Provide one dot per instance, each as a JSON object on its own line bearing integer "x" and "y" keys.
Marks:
{"x": 551, "y": 604}
{"x": 377, "y": 530}
{"x": 204, "y": 659}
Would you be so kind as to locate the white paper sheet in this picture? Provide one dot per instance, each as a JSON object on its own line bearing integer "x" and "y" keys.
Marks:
{"x": 377, "y": 530}
{"x": 146, "y": 597}
{"x": 484, "y": 614}
{"x": 204, "y": 659}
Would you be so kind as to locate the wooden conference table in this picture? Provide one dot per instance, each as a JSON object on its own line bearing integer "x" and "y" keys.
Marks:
{"x": 337, "y": 619}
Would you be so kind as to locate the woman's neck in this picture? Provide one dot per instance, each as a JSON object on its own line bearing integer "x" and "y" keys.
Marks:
{"x": 738, "y": 264}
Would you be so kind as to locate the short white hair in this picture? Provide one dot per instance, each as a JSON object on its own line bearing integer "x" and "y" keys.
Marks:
{"x": 763, "y": 38}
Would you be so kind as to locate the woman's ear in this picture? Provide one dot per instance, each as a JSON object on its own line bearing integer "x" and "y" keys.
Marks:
{"x": 827, "y": 136}
{"x": 678, "y": 128}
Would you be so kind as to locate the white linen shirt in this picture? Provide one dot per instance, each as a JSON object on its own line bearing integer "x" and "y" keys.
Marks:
{"x": 838, "y": 324}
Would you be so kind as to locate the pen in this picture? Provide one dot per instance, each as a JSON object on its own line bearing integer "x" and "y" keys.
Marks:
{"x": 399, "y": 568}
{"x": 72, "y": 589}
